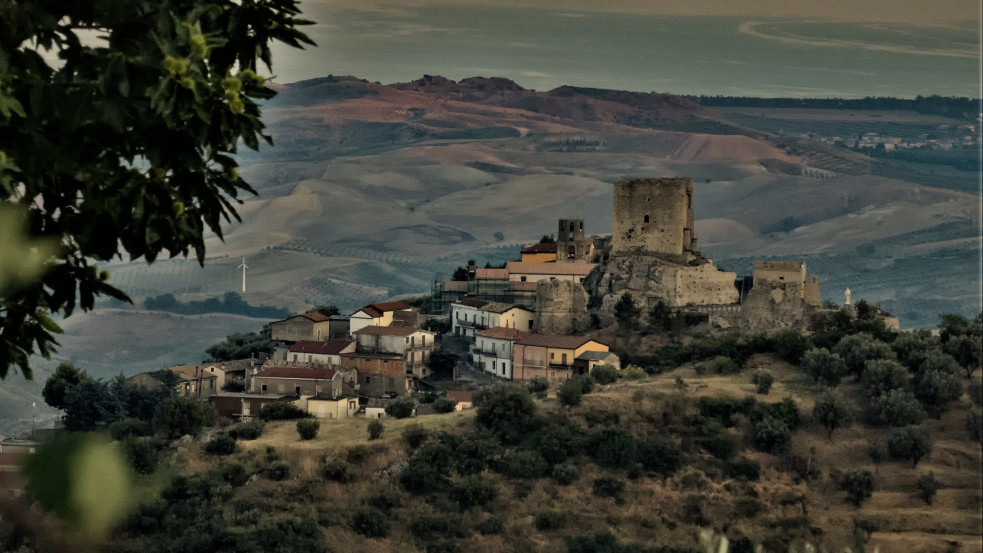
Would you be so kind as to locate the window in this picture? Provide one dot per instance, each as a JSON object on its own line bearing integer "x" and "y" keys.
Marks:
{"x": 552, "y": 355}
{"x": 263, "y": 388}
{"x": 522, "y": 279}
{"x": 296, "y": 390}
{"x": 646, "y": 218}
{"x": 530, "y": 325}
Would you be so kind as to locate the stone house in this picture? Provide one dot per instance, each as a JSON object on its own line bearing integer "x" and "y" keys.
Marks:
{"x": 191, "y": 380}
{"x": 586, "y": 361}
{"x": 306, "y": 326}
{"x": 413, "y": 344}
{"x": 492, "y": 351}
{"x": 463, "y": 398}
{"x": 379, "y": 373}
{"x": 233, "y": 371}
{"x": 299, "y": 381}
{"x": 322, "y": 353}
{"x": 242, "y": 405}
{"x": 575, "y": 271}
{"x": 375, "y": 314}
{"x": 549, "y": 357}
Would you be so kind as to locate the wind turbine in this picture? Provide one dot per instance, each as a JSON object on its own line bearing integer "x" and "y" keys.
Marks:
{"x": 243, "y": 267}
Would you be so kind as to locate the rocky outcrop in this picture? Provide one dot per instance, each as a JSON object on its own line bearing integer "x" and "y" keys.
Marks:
{"x": 561, "y": 308}
{"x": 769, "y": 307}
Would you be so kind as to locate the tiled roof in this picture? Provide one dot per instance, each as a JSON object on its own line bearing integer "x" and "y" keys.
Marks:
{"x": 191, "y": 372}
{"x": 501, "y": 307}
{"x": 296, "y": 372}
{"x": 456, "y": 286}
{"x": 530, "y": 268}
{"x": 480, "y": 274}
{"x": 331, "y": 347}
{"x": 545, "y": 340}
{"x": 388, "y": 331}
{"x": 595, "y": 355}
{"x": 502, "y": 333}
{"x": 315, "y": 316}
{"x": 331, "y": 398}
{"x": 472, "y": 302}
{"x": 542, "y": 247}
{"x": 460, "y": 396}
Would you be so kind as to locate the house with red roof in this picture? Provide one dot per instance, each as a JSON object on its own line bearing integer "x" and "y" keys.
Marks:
{"x": 550, "y": 357}
{"x": 323, "y": 353}
{"x": 414, "y": 345}
{"x": 301, "y": 381}
{"x": 492, "y": 350}
{"x": 310, "y": 326}
{"x": 375, "y": 314}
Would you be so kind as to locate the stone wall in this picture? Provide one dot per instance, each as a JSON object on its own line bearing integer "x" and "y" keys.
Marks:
{"x": 561, "y": 308}
{"x": 653, "y": 216}
{"x": 769, "y": 307}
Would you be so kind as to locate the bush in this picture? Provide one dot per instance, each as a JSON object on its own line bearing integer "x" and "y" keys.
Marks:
{"x": 975, "y": 391}
{"x": 550, "y": 520}
{"x": 898, "y": 408}
{"x": 615, "y": 449}
{"x": 721, "y": 445}
{"x": 281, "y": 411}
{"x": 974, "y": 425}
{"x": 247, "y": 430}
{"x": 936, "y": 390}
{"x": 857, "y": 349}
{"x": 386, "y": 501}
{"x": 370, "y": 522}
{"x": 308, "y": 428}
{"x": 180, "y": 416}
{"x": 831, "y": 412}
{"x": 633, "y": 372}
{"x": 129, "y": 427}
{"x": 223, "y": 444}
{"x": 277, "y": 471}
{"x": 570, "y": 392}
{"x": 523, "y": 464}
{"x": 376, "y": 427}
{"x": 337, "y": 470}
{"x": 474, "y": 490}
{"x": 401, "y": 408}
{"x": 771, "y": 436}
{"x": 790, "y": 346}
{"x": 718, "y": 365}
{"x": 414, "y": 435}
{"x": 927, "y": 487}
{"x": 427, "y": 528}
{"x": 444, "y": 405}
{"x": 490, "y": 526}
{"x": 586, "y": 383}
{"x": 232, "y": 474}
{"x": 506, "y": 410}
{"x": 824, "y": 367}
{"x": 604, "y": 374}
{"x": 858, "y": 485}
{"x": 661, "y": 456}
{"x": 565, "y": 474}
{"x": 910, "y": 443}
{"x": 744, "y": 470}
{"x": 763, "y": 380}
{"x": 609, "y": 486}
{"x": 538, "y": 387}
{"x": 141, "y": 454}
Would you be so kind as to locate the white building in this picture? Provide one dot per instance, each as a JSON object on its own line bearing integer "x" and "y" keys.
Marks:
{"x": 375, "y": 314}
{"x": 492, "y": 350}
{"x": 323, "y": 353}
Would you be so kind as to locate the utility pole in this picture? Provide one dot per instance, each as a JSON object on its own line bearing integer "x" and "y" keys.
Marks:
{"x": 243, "y": 267}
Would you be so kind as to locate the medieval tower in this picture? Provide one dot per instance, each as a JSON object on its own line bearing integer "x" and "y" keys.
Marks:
{"x": 653, "y": 216}
{"x": 571, "y": 244}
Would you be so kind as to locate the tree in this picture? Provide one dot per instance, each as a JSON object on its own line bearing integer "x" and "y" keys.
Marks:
{"x": 858, "y": 485}
{"x": 763, "y": 380}
{"x": 124, "y": 147}
{"x": 936, "y": 390}
{"x": 824, "y": 367}
{"x": 857, "y": 349}
{"x": 547, "y": 239}
{"x": 604, "y": 374}
{"x": 60, "y": 383}
{"x": 570, "y": 392}
{"x": 507, "y": 410}
{"x": 460, "y": 274}
{"x": 880, "y": 376}
{"x": 327, "y": 310}
{"x": 910, "y": 443}
{"x": 927, "y": 486}
{"x": 661, "y": 316}
{"x": 401, "y": 408}
{"x": 626, "y": 312}
{"x": 307, "y": 429}
{"x": 831, "y": 412}
{"x": 898, "y": 408}
{"x": 89, "y": 405}
{"x": 771, "y": 435}
{"x": 179, "y": 416}
{"x": 967, "y": 351}
{"x": 952, "y": 325}
{"x": 912, "y": 347}
{"x": 974, "y": 424}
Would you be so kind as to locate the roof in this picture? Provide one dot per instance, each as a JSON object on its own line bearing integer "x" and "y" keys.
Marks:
{"x": 502, "y": 333}
{"x": 247, "y": 395}
{"x": 331, "y": 398}
{"x": 518, "y": 286}
{"x": 315, "y": 316}
{"x": 551, "y": 341}
{"x": 456, "y": 286}
{"x": 530, "y": 268}
{"x": 460, "y": 396}
{"x": 779, "y": 265}
{"x": 233, "y": 365}
{"x": 595, "y": 355}
{"x": 389, "y": 331}
{"x": 542, "y": 247}
{"x": 501, "y": 307}
{"x": 376, "y": 310}
{"x": 472, "y": 302}
{"x": 191, "y": 372}
{"x": 491, "y": 274}
{"x": 331, "y": 347}
{"x": 323, "y": 373}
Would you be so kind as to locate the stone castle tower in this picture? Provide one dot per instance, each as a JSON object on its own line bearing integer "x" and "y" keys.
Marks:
{"x": 653, "y": 216}
{"x": 571, "y": 244}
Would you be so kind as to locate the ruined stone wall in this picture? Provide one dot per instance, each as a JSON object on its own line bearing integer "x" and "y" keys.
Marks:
{"x": 812, "y": 296}
{"x": 561, "y": 308}
{"x": 769, "y": 307}
{"x": 653, "y": 216}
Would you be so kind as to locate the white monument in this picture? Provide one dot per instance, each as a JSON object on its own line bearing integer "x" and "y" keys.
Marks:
{"x": 846, "y": 294}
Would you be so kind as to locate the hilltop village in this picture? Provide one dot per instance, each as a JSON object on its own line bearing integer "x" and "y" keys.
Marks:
{"x": 527, "y": 320}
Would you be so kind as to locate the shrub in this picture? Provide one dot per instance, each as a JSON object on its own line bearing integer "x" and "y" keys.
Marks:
{"x": 877, "y": 452}
{"x": 721, "y": 445}
{"x": 790, "y": 346}
{"x": 247, "y": 430}
{"x": 771, "y": 436}
{"x": 609, "y": 486}
{"x": 744, "y": 470}
{"x": 718, "y": 365}
{"x": 927, "y": 487}
{"x": 281, "y": 411}
{"x": 474, "y": 490}
{"x": 570, "y": 393}
{"x": 401, "y": 408}
{"x": 232, "y": 474}
{"x": 936, "y": 390}
{"x": 490, "y": 526}
{"x": 857, "y": 349}
{"x": 898, "y": 408}
{"x": 507, "y": 410}
{"x": 308, "y": 428}
{"x": 880, "y": 376}
{"x": 763, "y": 380}
{"x": 370, "y": 522}
{"x": 129, "y": 427}
{"x": 858, "y": 485}
{"x": 633, "y": 372}
{"x": 428, "y": 527}
{"x": 565, "y": 474}
{"x": 747, "y": 507}
{"x": 414, "y": 435}
{"x": 824, "y": 367}
{"x": 141, "y": 454}
{"x": 523, "y": 464}
{"x": 550, "y": 520}
{"x": 376, "y": 427}
{"x": 615, "y": 449}
{"x": 975, "y": 391}
{"x": 974, "y": 425}
{"x": 831, "y": 412}
{"x": 661, "y": 456}
{"x": 277, "y": 471}
{"x": 538, "y": 387}
{"x": 386, "y": 501}
{"x": 910, "y": 443}
{"x": 626, "y": 312}
{"x": 179, "y": 416}
{"x": 444, "y": 405}
{"x": 337, "y": 470}
{"x": 586, "y": 383}
{"x": 223, "y": 444}
{"x": 604, "y": 374}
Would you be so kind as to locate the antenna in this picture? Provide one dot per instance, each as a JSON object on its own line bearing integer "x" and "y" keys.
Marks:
{"x": 243, "y": 267}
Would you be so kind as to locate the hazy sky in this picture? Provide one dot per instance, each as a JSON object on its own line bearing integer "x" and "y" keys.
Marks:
{"x": 915, "y": 12}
